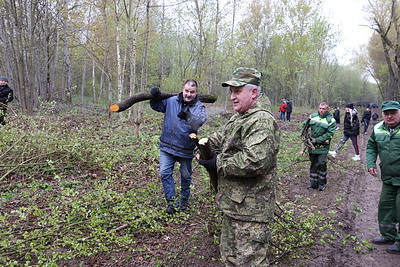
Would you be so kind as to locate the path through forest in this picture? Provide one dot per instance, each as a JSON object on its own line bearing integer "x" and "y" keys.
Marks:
{"x": 349, "y": 180}
{"x": 365, "y": 190}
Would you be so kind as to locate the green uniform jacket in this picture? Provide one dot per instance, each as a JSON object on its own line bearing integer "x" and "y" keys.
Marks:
{"x": 387, "y": 146}
{"x": 322, "y": 129}
{"x": 247, "y": 147}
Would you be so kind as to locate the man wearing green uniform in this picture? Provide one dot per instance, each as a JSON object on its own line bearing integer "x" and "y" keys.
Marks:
{"x": 245, "y": 164}
{"x": 385, "y": 142}
{"x": 323, "y": 126}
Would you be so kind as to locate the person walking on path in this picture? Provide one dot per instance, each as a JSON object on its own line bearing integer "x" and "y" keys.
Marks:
{"x": 366, "y": 119}
{"x": 184, "y": 114}
{"x": 245, "y": 164}
{"x": 6, "y": 96}
{"x": 336, "y": 116}
{"x": 385, "y": 143}
{"x": 375, "y": 117}
{"x": 289, "y": 109}
{"x": 282, "y": 110}
{"x": 351, "y": 129}
{"x": 323, "y": 127}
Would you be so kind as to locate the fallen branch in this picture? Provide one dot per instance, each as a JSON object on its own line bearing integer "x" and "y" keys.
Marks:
{"x": 2, "y": 155}
{"x": 127, "y": 103}
{"x": 23, "y": 163}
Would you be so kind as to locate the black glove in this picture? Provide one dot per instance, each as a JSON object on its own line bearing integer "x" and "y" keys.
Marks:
{"x": 182, "y": 115}
{"x": 209, "y": 164}
{"x": 155, "y": 91}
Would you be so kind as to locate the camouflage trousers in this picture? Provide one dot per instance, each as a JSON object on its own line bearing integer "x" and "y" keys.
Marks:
{"x": 318, "y": 170}
{"x": 244, "y": 243}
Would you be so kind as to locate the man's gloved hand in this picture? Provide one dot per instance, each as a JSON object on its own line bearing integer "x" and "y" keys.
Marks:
{"x": 182, "y": 115}
{"x": 313, "y": 141}
{"x": 155, "y": 91}
{"x": 210, "y": 164}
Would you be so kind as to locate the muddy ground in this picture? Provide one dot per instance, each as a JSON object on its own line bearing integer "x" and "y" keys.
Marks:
{"x": 360, "y": 191}
{"x": 347, "y": 180}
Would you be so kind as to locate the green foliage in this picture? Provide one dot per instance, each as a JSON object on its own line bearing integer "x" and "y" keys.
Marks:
{"x": 76, "y": 185}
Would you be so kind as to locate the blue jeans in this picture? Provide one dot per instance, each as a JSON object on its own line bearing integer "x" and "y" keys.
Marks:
{"x": 366, "y": 124}
{"x": 167, "y": 164}
{"x": 283, "y": 115}
{"x": 353, "y": 140}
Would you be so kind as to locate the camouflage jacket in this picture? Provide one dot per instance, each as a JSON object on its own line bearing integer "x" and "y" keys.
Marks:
{"x": 247, "y": 147}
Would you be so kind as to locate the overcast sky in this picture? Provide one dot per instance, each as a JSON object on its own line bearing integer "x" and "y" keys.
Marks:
{"x": 348, "y": 16}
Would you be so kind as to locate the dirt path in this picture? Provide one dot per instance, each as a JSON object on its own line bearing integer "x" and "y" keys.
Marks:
{"x": 364, "y": 192}
{"x": 354, "y": 194}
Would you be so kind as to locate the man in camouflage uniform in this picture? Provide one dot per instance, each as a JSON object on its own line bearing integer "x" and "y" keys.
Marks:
{"x": 385, "y": 143}
{"x": 245, "y": 163}
{"x": 323, "y": 126}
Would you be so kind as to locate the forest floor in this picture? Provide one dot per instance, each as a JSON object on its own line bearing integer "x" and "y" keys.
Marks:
{"x": 348, "y": 180}
{"x": 350, "y": 191}
{"x": 192, "y": 240}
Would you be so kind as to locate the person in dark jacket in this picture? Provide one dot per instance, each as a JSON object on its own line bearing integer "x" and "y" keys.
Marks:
{"x": 184, "y": 114}
{"x": 375, "y": 117}
{"x": 6, "y": 96}
{"x": 289, "y": 109}
{"x": 351, "y": 129}
{"x": 336, "y": 116}
{"x": 365, "y": 119}
{"x": 385, "y": 143}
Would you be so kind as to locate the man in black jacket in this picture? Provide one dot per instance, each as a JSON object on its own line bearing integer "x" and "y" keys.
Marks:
{"x": 6, "y": 95}
{"x": 336, "y": 116}
{"x": 365, "y": 119}
{"x": 289, "y": 109}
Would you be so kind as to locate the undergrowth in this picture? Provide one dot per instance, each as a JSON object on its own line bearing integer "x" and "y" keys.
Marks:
{"x": 74, "y": 185}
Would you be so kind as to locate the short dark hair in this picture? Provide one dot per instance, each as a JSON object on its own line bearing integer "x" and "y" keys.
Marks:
{"x": 191, "y": 81}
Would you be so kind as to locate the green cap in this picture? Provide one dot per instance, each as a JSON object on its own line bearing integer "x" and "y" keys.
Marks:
{"x": 243, "y": 76}
{"x": 387, "y": 105}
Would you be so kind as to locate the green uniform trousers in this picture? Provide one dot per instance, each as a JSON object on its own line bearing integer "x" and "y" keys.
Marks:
{"x": 318, "y": 170}
{"x": 389, "y": 212}
{"x": 244, "y": 243}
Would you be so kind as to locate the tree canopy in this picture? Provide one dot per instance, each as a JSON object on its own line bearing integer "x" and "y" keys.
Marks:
{"x": 110, "y": 49}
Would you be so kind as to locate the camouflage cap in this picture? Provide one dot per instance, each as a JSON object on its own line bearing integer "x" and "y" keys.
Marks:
{"x": 387, "y": 105}
{"x": 243, "y": 76}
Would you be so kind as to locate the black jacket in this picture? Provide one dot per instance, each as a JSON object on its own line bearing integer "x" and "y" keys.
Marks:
{"x": 289, "y": 106}
{"x": 336, "y": 115}
{"x": 366, "y": 116}
{"x": 351, "y": 124}
{"x": 6, "y": 95}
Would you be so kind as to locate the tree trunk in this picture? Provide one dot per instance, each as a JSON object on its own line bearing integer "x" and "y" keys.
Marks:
{"x": 125, "y": 104}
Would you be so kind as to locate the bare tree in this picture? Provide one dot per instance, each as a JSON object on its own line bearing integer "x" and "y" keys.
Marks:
{"x": 386, "y": 24}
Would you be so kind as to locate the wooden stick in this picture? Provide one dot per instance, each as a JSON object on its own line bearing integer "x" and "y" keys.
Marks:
{"x": 206, "y": 153}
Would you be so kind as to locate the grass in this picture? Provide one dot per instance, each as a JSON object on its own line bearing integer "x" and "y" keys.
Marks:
{"x": 74, "y": 183}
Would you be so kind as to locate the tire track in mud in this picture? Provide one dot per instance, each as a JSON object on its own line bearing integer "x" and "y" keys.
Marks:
{"x": 360, "y": 192}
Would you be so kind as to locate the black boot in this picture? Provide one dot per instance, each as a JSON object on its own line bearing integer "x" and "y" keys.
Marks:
{"x": 170, "y": 209}
{"x": 394, "y": 249}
